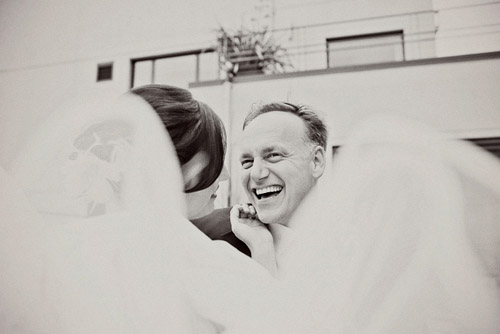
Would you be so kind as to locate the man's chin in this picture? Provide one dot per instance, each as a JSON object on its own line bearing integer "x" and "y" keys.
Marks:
{"x": 269, "y": 218}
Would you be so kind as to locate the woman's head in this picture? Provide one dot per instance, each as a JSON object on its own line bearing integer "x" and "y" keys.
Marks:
{"x": 199, "y": 138}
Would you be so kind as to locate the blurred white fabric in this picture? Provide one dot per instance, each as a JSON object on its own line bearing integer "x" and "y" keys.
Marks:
{"x": 400, "y": 236}
{"x": 92, "y": 244}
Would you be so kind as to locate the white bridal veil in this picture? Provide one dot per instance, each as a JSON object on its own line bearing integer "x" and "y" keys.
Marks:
{"x": 408, "y": 240}
{"x": 401, "y": 236}
{"x": 88, "y": 223}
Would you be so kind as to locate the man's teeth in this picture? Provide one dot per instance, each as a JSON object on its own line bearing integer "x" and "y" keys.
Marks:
{"x": 271, "y": 189}
{"x": 267, "y": 191}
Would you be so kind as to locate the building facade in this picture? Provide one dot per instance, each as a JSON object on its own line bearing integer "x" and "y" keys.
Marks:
{"x": 437, "y": 61}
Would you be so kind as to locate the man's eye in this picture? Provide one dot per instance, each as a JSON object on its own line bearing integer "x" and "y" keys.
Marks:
{"x": 246, "y": 163}
{"x": 273, "y": 157}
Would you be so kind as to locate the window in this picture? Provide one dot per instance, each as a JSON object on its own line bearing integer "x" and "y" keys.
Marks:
{"x": 491, "y": 145}
{"x": 335, "y": 149}
{"x": 365, "y": 49}
{"x": 177, "y": 69}
{"x": 104, "y": 72}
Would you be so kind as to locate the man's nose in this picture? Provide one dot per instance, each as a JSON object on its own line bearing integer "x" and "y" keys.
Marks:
{"x": 259, "y": 170}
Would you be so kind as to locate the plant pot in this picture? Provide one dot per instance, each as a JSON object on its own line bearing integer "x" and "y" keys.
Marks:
{"x": 252, "y": 67}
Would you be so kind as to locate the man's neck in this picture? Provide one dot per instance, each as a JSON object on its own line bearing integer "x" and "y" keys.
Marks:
{"x": 277, "y": 230}
{"x": 282, "y": 236}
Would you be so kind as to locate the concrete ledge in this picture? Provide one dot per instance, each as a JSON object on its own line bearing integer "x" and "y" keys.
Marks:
{"x": 357, "y": 68}
{"x": 207, "y": 83}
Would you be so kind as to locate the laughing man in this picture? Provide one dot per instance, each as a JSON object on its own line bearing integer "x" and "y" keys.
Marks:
{"x": 282, "y": 157}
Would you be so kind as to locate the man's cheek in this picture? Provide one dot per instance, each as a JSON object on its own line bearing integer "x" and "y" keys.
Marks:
{"x": 248, "y": 192}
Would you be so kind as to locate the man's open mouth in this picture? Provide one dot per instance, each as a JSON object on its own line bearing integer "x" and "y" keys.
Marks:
{"x": 267, "y": 192}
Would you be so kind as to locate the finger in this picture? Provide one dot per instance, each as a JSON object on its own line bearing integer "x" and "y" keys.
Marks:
{"x": 253, "y": 212}
{"x": 240, "y": 211}
{"x": 235, "y": 212}
{"x": 250, "y": 211}
{"x": 245, "y": 207}
{"x": 245, "y": 215}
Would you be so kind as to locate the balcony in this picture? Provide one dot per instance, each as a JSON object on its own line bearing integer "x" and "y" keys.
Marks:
{"x": 340, "y": 45}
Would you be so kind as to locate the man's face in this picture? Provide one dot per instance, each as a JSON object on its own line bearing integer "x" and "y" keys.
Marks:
{"x": 277, "y": 165}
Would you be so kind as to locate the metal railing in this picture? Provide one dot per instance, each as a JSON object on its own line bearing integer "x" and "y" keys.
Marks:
{"x": 311, "y": 47}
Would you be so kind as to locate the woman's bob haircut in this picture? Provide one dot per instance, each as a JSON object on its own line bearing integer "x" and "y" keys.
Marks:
{"x": 193, "y": 126}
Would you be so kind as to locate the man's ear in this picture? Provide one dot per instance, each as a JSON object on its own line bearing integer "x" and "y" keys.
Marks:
{"x": 318, "y": 162}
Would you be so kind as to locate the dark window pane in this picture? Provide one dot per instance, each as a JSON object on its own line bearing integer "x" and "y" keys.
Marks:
{"x": 104, "y": 72}
{"x": 365, "y": 49}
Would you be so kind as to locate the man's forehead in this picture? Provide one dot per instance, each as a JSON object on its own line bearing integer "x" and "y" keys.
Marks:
{"x": 276, "y": 122}
{"x": 273, "y": 129}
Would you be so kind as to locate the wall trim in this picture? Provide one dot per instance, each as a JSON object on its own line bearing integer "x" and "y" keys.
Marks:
{"x": 207, "y": 83}
{"x": 356, "y": 68}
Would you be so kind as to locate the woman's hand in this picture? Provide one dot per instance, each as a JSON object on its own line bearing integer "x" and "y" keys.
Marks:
{"x": 248, "y": 228}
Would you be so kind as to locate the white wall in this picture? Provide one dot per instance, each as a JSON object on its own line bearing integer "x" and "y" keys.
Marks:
{"x": 312, "y": 22}
{"x": 467, "y": 26}
{"x": 53, "y": 31}
{"x": 293, "y": 12}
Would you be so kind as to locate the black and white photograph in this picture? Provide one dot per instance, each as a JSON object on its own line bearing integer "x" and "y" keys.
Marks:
{"x": 250, "y": 166}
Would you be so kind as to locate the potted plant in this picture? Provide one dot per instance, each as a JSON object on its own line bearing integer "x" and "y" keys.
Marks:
{"x": 247, "y": 51}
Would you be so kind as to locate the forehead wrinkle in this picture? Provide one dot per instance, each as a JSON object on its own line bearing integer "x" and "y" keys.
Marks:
{"x": 272, "y": 147}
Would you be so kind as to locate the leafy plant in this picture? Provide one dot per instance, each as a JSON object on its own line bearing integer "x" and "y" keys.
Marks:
{"x": 248, "y": 51}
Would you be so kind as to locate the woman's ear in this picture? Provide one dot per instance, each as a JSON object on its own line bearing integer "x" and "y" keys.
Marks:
{"x": 191, "y": 170}
{"x": 318, "y": 162}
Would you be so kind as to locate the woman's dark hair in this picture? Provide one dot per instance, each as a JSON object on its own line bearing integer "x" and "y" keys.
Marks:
{"x": 192, "y": 125}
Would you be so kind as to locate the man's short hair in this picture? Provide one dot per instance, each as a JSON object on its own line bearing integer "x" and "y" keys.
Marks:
{"x": 316, "y": 130}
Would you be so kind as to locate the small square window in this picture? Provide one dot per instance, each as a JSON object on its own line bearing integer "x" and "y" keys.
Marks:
{"x": 104, "y": 72}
